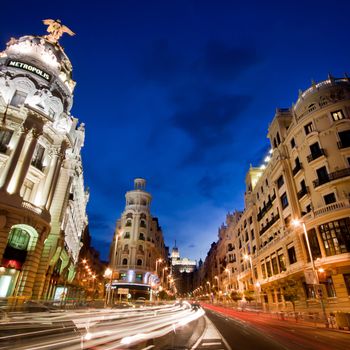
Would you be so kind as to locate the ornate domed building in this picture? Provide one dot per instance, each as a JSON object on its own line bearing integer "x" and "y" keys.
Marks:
{"x": 42, "y": 195}
{"x": 138, "y": 254}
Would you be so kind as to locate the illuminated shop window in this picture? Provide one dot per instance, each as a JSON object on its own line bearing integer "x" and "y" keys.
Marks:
{"x": 19, "y": 239}
{"x": 337, "y": 115}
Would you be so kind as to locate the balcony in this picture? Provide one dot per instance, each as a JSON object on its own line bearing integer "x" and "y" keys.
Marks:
{"x": 332, "y": 207}
{"x": 316, "y": 154}
{"x": 302, "y": 192}
{"x": 331, "y": 177}
{"x": 297, "y": 168}
{"x": 269, "y": 224}
{"x": 343, "y": 144}
{"x": 266, "y": 208}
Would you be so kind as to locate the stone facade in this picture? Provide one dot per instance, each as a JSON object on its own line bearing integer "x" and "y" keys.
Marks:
{"x": 305, "y": 177}
{"x": 42, "y": 195}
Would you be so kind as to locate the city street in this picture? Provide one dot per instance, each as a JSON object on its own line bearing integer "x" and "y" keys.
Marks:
{"x": 247, "y": 330}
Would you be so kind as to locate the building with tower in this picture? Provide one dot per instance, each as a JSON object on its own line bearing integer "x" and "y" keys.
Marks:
{"x": 42, "y": 194}
{"x": 137, "y": 254}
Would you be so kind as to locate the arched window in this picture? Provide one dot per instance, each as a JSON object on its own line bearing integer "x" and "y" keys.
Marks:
{"x": 19, "y": 239}
{"x": 139, "y": 262}
{"x": 127, "y": 235}
{"x": 142, "y": 223}
{"x": 128, "y": 223}
{"x": 142, "y": 236}
{"x": 126, "y": 247}
{"x": 125, "y": 261}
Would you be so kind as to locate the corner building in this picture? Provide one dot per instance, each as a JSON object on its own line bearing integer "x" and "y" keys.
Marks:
{"x": 305, "y": 177}
{"x": 42, "y": 194}
{"x": 137, "y": 251}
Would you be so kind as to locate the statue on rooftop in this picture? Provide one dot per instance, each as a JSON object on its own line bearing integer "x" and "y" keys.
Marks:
{"x": 56, "y": 29}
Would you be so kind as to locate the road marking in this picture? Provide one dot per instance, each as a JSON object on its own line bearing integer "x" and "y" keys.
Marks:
{"x": 148, "y": 347}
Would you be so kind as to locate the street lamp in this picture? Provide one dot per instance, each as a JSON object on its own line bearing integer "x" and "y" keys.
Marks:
{"x": 108, "y": 274}
{"x": 298, "y": 223}
{"x": 164, "y": 269}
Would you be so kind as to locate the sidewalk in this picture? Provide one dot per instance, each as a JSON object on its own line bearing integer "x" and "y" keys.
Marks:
{"x": 277, "y": 318}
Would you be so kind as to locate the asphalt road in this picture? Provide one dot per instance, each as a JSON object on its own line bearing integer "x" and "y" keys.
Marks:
{"x": 245, "y": 331}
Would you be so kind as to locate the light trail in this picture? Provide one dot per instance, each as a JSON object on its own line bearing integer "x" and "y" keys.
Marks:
{"x": 93, "y": 328}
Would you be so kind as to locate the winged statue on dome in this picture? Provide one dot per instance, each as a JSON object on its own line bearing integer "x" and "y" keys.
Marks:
{"x": 56, "y": 29}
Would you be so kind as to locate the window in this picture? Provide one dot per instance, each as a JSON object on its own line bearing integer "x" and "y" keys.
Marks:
{"x": 26, "y": 190}
{"x": 329, "y": 286}
{"x": 19, "y": 239}
{"x": 346, "y": 277}
{"x": 274, "y": 265}
{"x": 37, "y": 160}
{"x": 18, "y": 99}
{"x": 51, "y": 113}
{"x": 336, "y": 236}
{"x": 140, "y": 248}
{"x": 252, "y": 234}
{"x": 281, "y": 260}
{"x": 263, "y": 269}
{"x": 125, "y": 261}
{"x": 127, "y": 235}
{"x": 280, "y": 181}
{"x": 292, "y": 256}
{"x": 142, "y": 223}
{"x": 292, "y": 143}
{"x": 123, "y": 274}
{"x": 268, "y": 268}
{"x": 329, "y": 198}
{"x": 139, "y": 262}
{"x": 278, "y": 138}
{"x": 284, "y": 200}
{"x": 344, "y": 137}
{"x": 337, "y": 115}
{"x": 128, "y": 223}
{"x": 142, "y": 236}
{"x": 246, "y": 236}
{"x": 322, "y": 175}
{"x": 126, "y": 248}
{"x": 139, "y": 277}
{"x": 5, "y": 137}
{"x": 308, "y": 128}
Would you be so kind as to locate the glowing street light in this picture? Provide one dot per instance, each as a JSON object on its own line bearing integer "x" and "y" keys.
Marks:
{"x": 298, "y": 223}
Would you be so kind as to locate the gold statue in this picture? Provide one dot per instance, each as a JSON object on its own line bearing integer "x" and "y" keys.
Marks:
{"x": 56, "y": 29}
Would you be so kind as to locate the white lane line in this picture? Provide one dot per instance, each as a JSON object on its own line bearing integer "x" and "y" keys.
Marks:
{"x": 148, "y": 347}
{"x": 211, "y": 343}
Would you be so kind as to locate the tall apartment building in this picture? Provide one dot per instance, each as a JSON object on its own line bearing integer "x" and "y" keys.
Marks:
{"x": 42, "y": 194}
{"x": 305, "y": 180}
{"x": 137, "y": 253}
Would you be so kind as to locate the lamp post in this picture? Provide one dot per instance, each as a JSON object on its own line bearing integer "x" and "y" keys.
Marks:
{"x": 255, "y": 284}
{"x": 164, "y": 269}
{"x": 298, "y": 223}
{"x": 108, "y": 274}
{"x": 158, "y": 261}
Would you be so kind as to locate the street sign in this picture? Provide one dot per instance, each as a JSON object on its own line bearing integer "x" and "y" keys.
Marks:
{"x": 123, "y": 291}
{"x": 310, "y": 277}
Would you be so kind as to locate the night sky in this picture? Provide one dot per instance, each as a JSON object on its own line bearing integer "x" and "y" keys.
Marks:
{"x": 181, "y": 93}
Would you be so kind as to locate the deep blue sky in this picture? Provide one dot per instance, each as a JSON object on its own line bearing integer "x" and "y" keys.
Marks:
{"x": 181, "y": 93}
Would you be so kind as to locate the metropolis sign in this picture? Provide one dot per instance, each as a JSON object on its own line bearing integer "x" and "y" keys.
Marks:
{"x": 30, "y": 68}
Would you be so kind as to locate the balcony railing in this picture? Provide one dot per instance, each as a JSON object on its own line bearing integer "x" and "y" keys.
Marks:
{"x": 332, "y": 207}
{"x": 302, "y": 192}
{"x": 343, "y": 144}
{"x": 266, "y": 208}
{"x": 316, "y": 154}
{"x": 269, "y": 224}
{"x": 332, "y": 176}
{"x": 297, "y": 168}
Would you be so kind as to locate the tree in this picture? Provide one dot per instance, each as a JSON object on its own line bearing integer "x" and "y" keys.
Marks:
{"x": 249, "y": 295}
{"x": 235, "y": 296}
{"x": 290, "y": 294}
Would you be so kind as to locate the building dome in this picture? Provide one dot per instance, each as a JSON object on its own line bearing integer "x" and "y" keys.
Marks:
{"x": 321, "y": 94}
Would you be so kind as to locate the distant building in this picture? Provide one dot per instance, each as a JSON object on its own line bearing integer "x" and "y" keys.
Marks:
{"x": 137, "y": 253}
{"x": 182, "y": 270}
{"x": 42, "y": 194}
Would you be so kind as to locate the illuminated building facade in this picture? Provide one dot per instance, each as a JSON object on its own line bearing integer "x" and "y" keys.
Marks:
{"x": 306, "y": 177}
{"x": 42, "y": 194}
{"x": 137, "y": 253}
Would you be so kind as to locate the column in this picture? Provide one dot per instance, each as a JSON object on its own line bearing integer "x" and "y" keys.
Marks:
{"x": 49, "y": 178}
{"x": 24, "y": 167}
{"x": 13, "y": 160}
